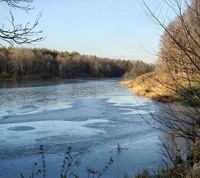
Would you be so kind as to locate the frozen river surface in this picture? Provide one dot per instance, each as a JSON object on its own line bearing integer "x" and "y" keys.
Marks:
{"x": 91, "y": 116}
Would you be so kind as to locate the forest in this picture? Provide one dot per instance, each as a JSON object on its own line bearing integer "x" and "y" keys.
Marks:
{"x": 42, "y": 63}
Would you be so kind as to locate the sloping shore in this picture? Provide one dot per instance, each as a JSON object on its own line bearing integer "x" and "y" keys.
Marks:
{"x": 149, "y": 85}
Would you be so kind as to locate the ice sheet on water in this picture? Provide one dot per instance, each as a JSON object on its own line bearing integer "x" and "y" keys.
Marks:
{"x": 28, "y": 108}
{"x": 131, "y": 104}
{"x": 104, "y": 105}
{"x": 128, "y": 100}
{"x": 3, "y": 114}
{"x": 30, "y": 132}
{"x": 22, "y": 108}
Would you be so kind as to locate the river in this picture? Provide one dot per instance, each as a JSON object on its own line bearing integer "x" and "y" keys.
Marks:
{"x": 93, "y": 117}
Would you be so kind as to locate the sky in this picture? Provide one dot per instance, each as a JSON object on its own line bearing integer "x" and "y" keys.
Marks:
{"x": 116, "y": 29}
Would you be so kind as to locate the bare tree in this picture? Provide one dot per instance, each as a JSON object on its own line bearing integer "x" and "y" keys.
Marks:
{"x": 179, "y": 62}
{"x": 19, "y": 33}
{"x": 178, "y": 73}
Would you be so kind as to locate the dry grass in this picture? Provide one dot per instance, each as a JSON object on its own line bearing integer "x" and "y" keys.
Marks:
{"x": 159, "y": 86}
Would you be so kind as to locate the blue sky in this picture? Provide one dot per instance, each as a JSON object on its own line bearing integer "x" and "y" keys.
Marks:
{"x": 105, "y": 28}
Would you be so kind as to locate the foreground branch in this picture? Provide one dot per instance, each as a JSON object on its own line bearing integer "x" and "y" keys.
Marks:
{"x": 19, "y": 34}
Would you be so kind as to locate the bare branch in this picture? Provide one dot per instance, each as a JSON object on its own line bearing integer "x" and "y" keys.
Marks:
{"x": 20, "y": 4}
{"x": 18, "y": 33}
{"x": 21, "y": 34}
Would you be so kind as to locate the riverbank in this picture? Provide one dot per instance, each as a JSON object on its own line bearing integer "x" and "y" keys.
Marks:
{"x": 149, "y": 85}
{"x": 170, "y": 88}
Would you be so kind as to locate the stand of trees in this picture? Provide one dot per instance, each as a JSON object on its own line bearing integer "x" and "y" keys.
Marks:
{"x": 21, "y": 63}
{"x": 178, "y": 67}
{"x": 178, "y": 73}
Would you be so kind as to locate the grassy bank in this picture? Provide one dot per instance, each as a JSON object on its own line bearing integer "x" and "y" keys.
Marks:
{"x": 176, "y": 88}
{"x": 149, "y": 85}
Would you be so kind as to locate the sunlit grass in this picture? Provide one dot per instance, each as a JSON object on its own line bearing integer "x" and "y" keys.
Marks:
{"x": 166, "y": 87}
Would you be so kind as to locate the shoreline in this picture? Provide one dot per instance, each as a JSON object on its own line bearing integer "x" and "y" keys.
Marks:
{"x": 148, "y": 85}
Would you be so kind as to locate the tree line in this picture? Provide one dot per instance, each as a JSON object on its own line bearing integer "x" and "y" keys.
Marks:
{"x": 42, "y": 63}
